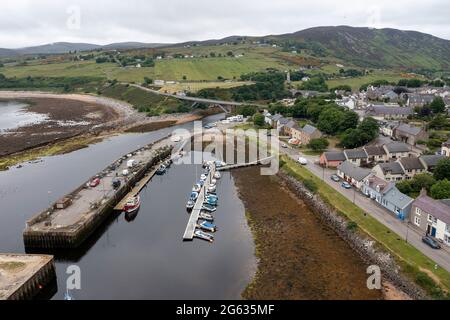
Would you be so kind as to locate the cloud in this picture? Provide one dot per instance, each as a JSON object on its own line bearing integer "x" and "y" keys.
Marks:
{"x": 27, "y": 22}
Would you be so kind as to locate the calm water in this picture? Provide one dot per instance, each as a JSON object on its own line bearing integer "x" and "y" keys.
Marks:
{"x": 144, "y": 258}
{"x": 13, "y": 116}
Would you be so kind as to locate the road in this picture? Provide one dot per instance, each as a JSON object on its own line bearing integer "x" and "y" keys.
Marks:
{"x": 403, "y": 229}
{"x": 186, "y": 98}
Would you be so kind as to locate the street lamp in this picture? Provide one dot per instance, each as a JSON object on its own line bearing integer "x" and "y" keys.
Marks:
{"x": 407, "y": 231}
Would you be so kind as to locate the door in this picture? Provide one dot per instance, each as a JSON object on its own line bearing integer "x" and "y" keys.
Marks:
{"x": 433, "y": 232}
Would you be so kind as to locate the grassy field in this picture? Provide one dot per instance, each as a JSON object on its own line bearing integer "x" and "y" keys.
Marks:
{"x": 356, "y": 83}
{"x": 416, "y": 265}
{"x": 197, "y": 86}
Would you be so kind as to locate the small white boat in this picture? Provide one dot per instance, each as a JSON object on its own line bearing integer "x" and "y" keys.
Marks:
{"x": 133, "y": 204}
{"x": 206, "y": 216}
{"x": 213, "y": 182}
{"x": 209, "y": 207}
{"x": 203, "y": 177}
{"x": 212, "y": 188}
{"x": 204, "y": 236}
{"x": 190, "y": 205}
{"x": 217, "y": 175}
{"x": 197, "y": 188}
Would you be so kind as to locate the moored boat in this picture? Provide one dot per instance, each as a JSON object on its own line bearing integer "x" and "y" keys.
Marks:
{"x": 197, "y": 188}
{"x": 190, "y": 205}
{"x": 161, "y": 170}
{"x": 217, "y": 175}
{"x": 203, "y": 177}
{"x": 209, "y": 207}
{"x": 133, "y": 204}
{"x": 204, "y": 236}
{"x": 206, "y": 216}
{"x": 194, "y": 196}
{"x": 212, "y": 188}
{"x": 207, "y": 226}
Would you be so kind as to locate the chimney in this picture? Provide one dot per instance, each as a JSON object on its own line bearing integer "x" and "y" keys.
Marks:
{"x": 423, "y": 192}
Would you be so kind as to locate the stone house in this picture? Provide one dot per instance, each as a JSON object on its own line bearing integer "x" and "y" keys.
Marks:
{"x": 411, "y": 166}
{"x": 306, "y": 134}
{"x": 397, "y": 150}
{"x": 390, "y": 171}
{"x": 332, "y": 159}
{"x": 409, "y": 134}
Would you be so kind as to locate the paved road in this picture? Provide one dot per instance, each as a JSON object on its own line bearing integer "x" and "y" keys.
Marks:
{"x": 193, "y": 99}
{"x": 404, "y": 230}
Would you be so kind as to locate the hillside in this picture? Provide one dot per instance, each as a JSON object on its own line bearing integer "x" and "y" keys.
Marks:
{"x": 378, "y": 48}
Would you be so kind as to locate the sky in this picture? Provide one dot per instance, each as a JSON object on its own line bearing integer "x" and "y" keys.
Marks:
{"x": 30, "y": 22}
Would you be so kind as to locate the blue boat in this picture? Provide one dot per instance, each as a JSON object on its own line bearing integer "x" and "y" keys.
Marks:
{"x": 211, "y": 202}
{"x": 207, "y": 226}
{"x": 212, "y": 197}
{"x": 194, "y": 196}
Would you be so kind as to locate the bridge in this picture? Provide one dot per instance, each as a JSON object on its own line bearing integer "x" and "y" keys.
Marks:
{"x": 219, "y": 103}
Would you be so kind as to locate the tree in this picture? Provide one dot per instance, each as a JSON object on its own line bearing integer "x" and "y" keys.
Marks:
{"x": 441, "y": 190}
{"x": 318, "y": 144}
{"x": 247, "y": 111}
{"x": 420, "y": 181}
{"x": 442, "y": 170}
{"x": 147, "y": 80}
{"x": 258, "y": 120}
{"x": 350, "y": 121}
{"x": 230, "y": 53}
{"x": 330, "y": 120}
{"x": 438, "y": 105}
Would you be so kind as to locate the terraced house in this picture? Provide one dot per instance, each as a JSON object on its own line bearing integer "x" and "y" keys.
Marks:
{"x": 390, "y": 171}
{"x": 411, "y": 166}
{"x": 397, "y": 150}
{"x": 431, "y": 217}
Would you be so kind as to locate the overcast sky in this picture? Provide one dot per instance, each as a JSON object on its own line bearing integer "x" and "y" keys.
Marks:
{"x": 32, "y": 22}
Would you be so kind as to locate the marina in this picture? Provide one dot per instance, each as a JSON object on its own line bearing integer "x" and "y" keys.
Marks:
{"x": 196, "y": 213}
{"x": 70, "y": 220}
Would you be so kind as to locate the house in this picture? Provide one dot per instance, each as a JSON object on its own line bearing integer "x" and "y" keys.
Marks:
{"x": 410, "y": 134}
{"x": 306, "y": 134}
{"x": 288, "y": 127}
{"x": 332, "y": 159}
{"x": 356, "y": 156}
{"x": 352, "y": 174}
{"x": 267, "y": 117}
{"x": 383, "y": 112}
{"x": 411, "y": 166}
{"x": 419, "y": 100}
{"x": 397, "y": 150}
{"x": 347, "y": 102}
{"x": 397, "y": 202}
{"x": 390, "y": 171}
{"x": 375, "y": 188}
{"x": 445, "y": 150}
{"x": 376, "y": 154}
{"x": 274, "y": 120}
{"x": 281, "y": 123}
{"x": 375, "y": 93}
{"x": 431, "y": 161}
{"x": 390, "y": 95}
{"x": 431, "y": 217}
{"x": 387, "y": 130}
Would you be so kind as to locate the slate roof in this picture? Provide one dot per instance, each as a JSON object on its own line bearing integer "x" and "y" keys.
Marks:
{"x": 437, "y": 208}
{"x": 397, "y": 147}
{"x": 277, "y": 117}
{"x": 283, "y": 121}
{"x": 412, "y": 163}
{"x": 383, "y": 110}
{"x": 375, "y": 182}
{"x": 357, "y": 173}
{"x": 375, "y": 151}
{"x": 432, "y": 160}
{"x": 397, "y": 198}
{"x": 392, "y": 167}
{"x": 335, "y": 156}
{"x": 406, "y": 128}
{"x": 356, "y": 154}
{"x": 309, "y": 129}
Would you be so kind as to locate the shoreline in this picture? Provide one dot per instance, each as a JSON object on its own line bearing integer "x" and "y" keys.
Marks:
{"x": 128, "y": 121}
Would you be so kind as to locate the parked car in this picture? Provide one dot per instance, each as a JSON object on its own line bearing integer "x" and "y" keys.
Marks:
{"x": 346, "y": 185}
{"x": 284, "y": 146}
{"x": 429, "y": 241}
{"x": 94, "y": 183}
{"x": 335, "y": 178}
{"x": 116, "y": 184}
{"x": 303, "y": 161}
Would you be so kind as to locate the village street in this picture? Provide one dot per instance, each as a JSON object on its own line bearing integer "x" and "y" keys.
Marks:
{"x": 405, "y": 230}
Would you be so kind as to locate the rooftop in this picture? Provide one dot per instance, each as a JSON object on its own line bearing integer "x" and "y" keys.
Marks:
{"x": 375, "y": 151}
{"x": 309, "y": 129}
{"x": 386, "y": 110}
{"x": 432, "y": 160}
{"x": 391, "y": 167}
{"x": 412, "y": 163}
{"x": 397, "y": 198}
{"x": 406, "y": 128}
{"x": 397, "y": 147}
{"x": 437, "y": 208}
{"x": 357, "y": 173}
{"x": 356, "y": 154}
{"x": 335, "y": 156}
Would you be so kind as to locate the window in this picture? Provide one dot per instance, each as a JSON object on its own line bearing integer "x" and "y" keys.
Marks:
{"x": 417, "y": 221}
{"x": 418, "y": 212}
{"x": 432, "y": 219}
{"x": 447, "y": 228}
{"x": 447, "y": 239}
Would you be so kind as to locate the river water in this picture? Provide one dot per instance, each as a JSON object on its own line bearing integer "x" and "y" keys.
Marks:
{"x": 144, "y": 258}
{"x": 12, "y": 115}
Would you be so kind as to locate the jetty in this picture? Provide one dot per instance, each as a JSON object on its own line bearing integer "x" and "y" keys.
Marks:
{"x": 195, "y": 214}
{"x": 72, "y": 219}
{"x": 243, "y": 165}
{"x": 24, "y": 276}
